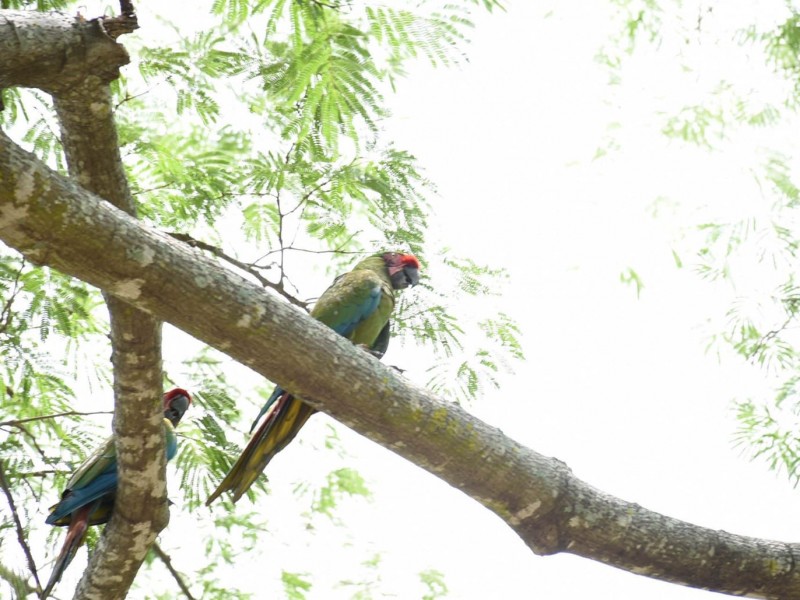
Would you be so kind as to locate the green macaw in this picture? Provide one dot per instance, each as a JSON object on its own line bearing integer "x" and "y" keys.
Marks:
{"x": 89, "y": 496}
{"x": 358, "y": 306}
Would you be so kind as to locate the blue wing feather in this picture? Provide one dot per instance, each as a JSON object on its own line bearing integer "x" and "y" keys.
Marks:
{"x": 105, "y": 483}
{"x": 363, "y": 311}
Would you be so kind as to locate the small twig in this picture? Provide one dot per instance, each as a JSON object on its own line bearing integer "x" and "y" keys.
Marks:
{"x": 218, "y": 252}
{"x": 43, "y": 473}
{"x": 307, "y": 196}
{"x": 281, "y": 217}
{"x": 762, "y": 343}
{"x": 168, "y": 563}
{"x": 326, "y": 5}
{"x": 126, "y": 8}
{"x": 70, "y": 413}
{"x": 5, "y": 315}
{"x": 128, "y": 98}
{"x": 309, "y": 251}
{"x": 32, "y": 437}
{"x": 164, "y": 186}
{"x": 18, "y": 525}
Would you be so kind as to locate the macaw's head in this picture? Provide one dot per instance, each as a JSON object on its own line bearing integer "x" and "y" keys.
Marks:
{"x": 403, "y": 269}
{"x": 176, "y": 402}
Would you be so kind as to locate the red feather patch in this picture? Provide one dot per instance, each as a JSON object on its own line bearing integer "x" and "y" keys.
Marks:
{"x": 409, "y": 260}
{"x": 170, "y": 395}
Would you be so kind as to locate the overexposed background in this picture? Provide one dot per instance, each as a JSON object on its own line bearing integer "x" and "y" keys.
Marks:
{"x": 623, "y": 387}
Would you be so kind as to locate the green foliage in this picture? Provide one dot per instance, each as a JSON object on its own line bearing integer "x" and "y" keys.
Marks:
{"x": 750, "y": 247}
{"x": 40, "y": 133}
{"x": 340, "y": 482}
{"x": 433, "y": 580}
{"x": 696, "y": 125}
{"x": 632, "y": 278}
{"x": 17, "y": 582}
{"x": 782, "y": 45}
{"x": 770, "y": 434}
{"x": 295, "y": 585}
{"x": 638, "y": 22}
{"x": 40, "y": 5}
{"x": 365, "y": 588}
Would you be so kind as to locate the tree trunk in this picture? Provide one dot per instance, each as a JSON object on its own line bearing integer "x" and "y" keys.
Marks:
{"x": 74, "y": 60}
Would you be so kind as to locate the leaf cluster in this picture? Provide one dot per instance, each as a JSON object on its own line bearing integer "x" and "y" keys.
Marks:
{"x": 752, "y": 249}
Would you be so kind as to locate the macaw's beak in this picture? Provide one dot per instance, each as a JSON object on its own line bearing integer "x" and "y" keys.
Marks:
{"x": 404, "y": 277}
{"x": 177, "y": 406}
{"x": 412, "y": 276}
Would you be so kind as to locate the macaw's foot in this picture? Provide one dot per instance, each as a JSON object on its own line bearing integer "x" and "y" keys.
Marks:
{"x": 376, "y": 353}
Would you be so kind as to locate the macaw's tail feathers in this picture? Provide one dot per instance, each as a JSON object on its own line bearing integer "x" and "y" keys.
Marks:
{"x": 280, "y": 427}
{"x": 76, "y": 533}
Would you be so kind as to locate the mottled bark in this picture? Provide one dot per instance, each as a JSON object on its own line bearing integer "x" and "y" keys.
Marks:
{"x": 54, "y": 52}
{"x": 51, "y": 220}
{"x": 91, "y": 147}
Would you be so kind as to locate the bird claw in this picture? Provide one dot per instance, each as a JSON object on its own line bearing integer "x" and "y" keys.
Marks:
{"x": 379, "y": 355}
{"x": 367, "y": 349}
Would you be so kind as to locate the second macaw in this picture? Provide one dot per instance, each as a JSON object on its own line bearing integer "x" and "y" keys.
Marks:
{"x": 357, "y": 306}
{"x": 88, "y": 498}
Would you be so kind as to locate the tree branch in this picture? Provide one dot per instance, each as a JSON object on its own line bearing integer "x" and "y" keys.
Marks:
{"x": 69, "y": 413}
{"x": 52, "y": 221}
{"x": 55, "y": 52}
{"x": 5, "y": 313}
{"x": 247, "y": 268}
{"x": 18, "y": 525}
{"x": 177, "y": 576}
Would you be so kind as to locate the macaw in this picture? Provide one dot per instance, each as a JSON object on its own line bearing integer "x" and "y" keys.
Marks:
{"x": 357, "y": 306}
{"x": 89, "y": 496}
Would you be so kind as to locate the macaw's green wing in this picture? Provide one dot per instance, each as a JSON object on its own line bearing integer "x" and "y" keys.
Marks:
{"x": 93, "y": 483}
{"x": 356, "y": 306}
{"x": 102, "y": 460}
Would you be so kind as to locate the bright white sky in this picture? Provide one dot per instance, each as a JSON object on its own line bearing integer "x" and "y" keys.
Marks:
{"x": 619, "y": 388}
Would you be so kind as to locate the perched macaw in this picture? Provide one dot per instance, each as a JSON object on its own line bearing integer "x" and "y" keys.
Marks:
{"x": 89, "y": 496}
{"x": 358, "y": 306}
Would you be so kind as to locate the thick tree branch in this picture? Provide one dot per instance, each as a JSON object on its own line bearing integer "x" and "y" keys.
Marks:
{"x": 55, "y": 52}
{"x": 50, "y": 220}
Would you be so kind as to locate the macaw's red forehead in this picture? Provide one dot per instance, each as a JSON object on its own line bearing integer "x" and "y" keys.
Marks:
{"x": 409, "y": 260}
{"x": 396, "y": 261}
{"x": 173, "y": 393}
